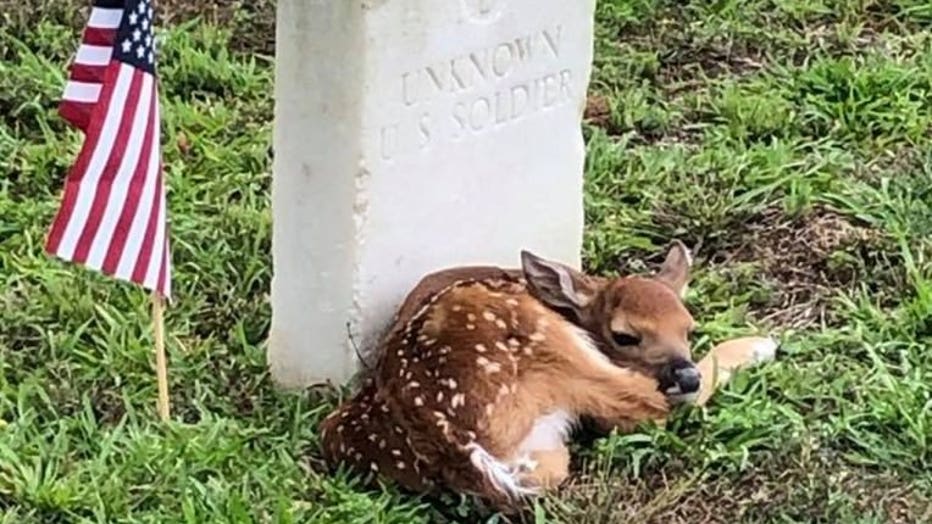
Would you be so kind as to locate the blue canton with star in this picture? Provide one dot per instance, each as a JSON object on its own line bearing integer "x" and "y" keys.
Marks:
{"x": 135, "y": 40}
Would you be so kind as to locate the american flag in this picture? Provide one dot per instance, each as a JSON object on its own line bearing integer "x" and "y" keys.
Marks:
{"x": 112, "y": 216}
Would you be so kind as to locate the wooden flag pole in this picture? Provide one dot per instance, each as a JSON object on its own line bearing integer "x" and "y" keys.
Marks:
{"x": 161, "y": 367}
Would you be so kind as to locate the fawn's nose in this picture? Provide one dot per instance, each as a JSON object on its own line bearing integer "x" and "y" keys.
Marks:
{"x": 688, "y": 379}
{"x": 680, "y": 377}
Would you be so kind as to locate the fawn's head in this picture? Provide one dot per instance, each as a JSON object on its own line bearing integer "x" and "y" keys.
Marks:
{"x": 640, "y": 322}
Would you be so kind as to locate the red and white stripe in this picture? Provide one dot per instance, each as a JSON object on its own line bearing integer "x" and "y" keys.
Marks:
{"x": 113, "y": 213}
{"x": 82, "y": 91}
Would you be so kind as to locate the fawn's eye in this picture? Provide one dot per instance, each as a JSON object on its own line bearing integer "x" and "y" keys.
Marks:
{"x": 624, "y": 339}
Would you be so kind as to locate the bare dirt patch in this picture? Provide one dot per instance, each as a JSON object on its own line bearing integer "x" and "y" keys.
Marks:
{"x": 809, "y": 259}
{"x": 825, "y": 490}
{"x": 688, "y": 57}
{"x": 252, "y": 22}
{"x": 598, "y": 110}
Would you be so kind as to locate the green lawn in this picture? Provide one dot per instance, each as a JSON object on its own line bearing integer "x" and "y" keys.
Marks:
{"x": 789, "y": 139}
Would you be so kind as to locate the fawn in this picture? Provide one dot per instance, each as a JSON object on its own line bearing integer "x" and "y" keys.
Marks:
{"x": 485, "y": 372}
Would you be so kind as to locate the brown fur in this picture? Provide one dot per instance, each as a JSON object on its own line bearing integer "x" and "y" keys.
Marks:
{"x": 474, "y": 357}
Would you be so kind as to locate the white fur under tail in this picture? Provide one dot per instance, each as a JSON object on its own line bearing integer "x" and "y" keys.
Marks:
{"x": 497, "y": 472}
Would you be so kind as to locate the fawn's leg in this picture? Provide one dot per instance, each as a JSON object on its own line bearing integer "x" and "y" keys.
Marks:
{"x": 544, "y": 468}
{"x": 728, "y": 357}
{"x": 716, "y": 369}
{"x": 617, "y": 397}
{"x": 542, "y": 460}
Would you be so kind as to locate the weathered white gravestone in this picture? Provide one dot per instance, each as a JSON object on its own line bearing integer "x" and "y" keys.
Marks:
{"x": 410, "y": 136}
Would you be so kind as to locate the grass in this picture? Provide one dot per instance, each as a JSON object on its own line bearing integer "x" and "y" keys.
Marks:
{"x": 789, "y": 139}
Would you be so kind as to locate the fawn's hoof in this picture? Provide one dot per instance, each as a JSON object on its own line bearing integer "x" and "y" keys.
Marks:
{"x": 744, "y": 352}
{"x": 763, "y": 350}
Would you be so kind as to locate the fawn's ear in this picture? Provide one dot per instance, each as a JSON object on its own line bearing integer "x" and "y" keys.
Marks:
{"x": 675, "y": 269}
{"x": 555, "y": 284}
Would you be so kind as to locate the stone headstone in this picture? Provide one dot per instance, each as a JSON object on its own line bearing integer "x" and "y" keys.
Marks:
{"x": 410, "y": 136}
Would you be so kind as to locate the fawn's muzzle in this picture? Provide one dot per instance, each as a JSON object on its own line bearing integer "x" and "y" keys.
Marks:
{"x": 679, "y": 377}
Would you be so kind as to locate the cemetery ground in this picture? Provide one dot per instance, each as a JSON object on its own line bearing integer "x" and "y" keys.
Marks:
{"x": 788, "y": 139}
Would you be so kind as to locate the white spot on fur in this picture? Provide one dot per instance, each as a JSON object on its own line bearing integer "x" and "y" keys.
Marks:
{"x": 444, "y": 425}
{"x": 488, "y": 315}
{"x": 458, "y": 400}
{"x": 481, "y": 348}
{"x": 418, "y": 401}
